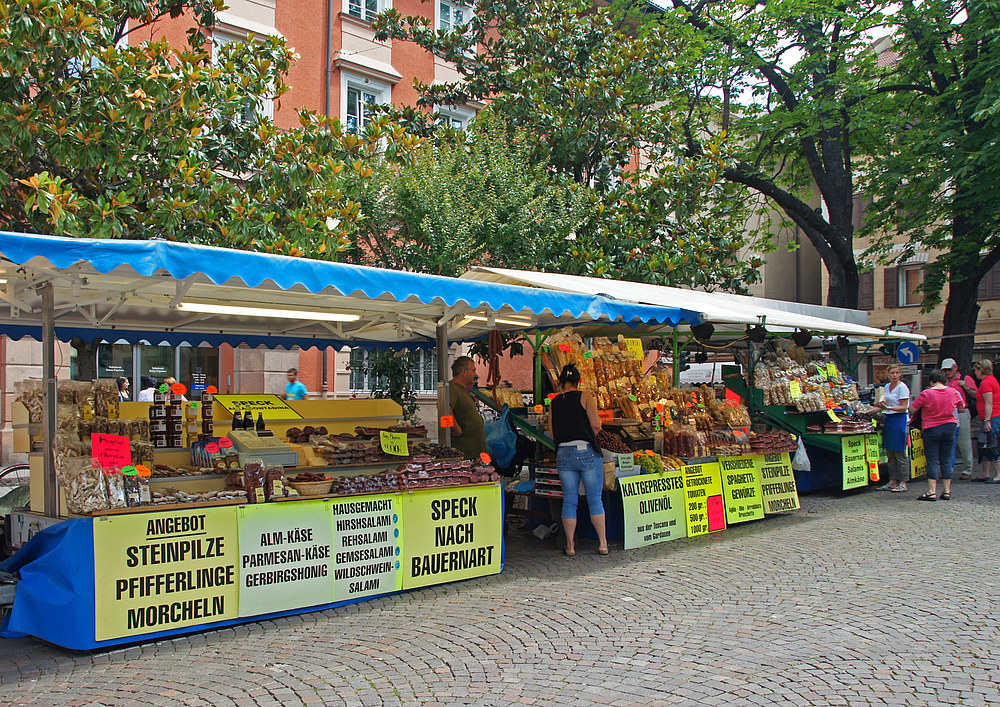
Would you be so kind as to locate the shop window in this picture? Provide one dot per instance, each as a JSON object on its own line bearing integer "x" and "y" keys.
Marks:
{"x": 423, "y": 373}
{"x": 198, "y": 368}
{"x": 910, "y": 280}
{"x": 114, "y": 360}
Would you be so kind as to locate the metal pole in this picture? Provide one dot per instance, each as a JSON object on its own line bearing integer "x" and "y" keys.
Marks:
{"x": 677, "y": 364}
{"x": 444, "y": 394}
{"x": 50, "y": 491}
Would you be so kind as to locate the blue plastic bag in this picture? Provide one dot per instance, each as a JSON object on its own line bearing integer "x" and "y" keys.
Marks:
{"x": 501, "y": 439}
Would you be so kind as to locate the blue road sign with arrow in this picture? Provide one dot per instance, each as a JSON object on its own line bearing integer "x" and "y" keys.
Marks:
{"x": 908, "y": 353}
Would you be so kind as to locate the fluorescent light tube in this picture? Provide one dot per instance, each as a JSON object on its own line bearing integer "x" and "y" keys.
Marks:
{"x": 265, "y": 312}
{"x": 498, "y": 320}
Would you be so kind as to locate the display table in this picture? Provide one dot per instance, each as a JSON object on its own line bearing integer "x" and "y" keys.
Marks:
{"x": 120, "y": 578}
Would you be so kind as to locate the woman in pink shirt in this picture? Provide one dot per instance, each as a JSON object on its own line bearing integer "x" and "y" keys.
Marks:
{"x": 940, "y": 425}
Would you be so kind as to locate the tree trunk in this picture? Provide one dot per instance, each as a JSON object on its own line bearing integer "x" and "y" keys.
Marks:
{"x": 86, "y": 358}
{"x": 845, "y": 283}
{"x": 960, "y": 316}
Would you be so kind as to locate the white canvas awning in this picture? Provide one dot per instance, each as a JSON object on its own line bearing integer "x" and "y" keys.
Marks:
{"x": 720, "y": 308}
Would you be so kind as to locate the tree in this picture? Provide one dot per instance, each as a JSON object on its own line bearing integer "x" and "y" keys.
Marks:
{"x": 793, "y": 85}
{"x": 586, "y": 86}
{"x": 468, "y": 198}
{"x": 938, "y": 180}
{"x": 102, "y": 139}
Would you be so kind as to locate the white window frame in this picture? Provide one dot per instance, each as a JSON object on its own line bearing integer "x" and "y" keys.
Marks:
{"x": 452, "y": 6}
{"x": 228, "y": 34}
{"x": 382, "y": 91}
{"x": 903, "y": 289}
{"x": 453, "y": 113}
{"x": 426, "y": 369}
{"x": 366, "y": 13}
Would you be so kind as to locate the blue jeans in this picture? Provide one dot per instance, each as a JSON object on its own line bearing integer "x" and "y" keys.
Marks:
{"x": 939, "y": 443}
{"x": 575, "y": 465}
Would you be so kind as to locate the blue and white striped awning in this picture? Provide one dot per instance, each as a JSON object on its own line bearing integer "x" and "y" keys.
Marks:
{"x": 138, "y": 290}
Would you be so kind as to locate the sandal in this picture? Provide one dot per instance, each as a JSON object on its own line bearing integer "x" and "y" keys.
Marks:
{"x": 898, "y": 489}
{"x": 569, "y": 553}
{"x": 927, "y": 497}
{"x": 946, "y": 497}
{"x": 605, "y": 551}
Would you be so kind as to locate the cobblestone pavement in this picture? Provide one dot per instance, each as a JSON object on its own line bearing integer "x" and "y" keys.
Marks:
{"x": 866, "y": 599}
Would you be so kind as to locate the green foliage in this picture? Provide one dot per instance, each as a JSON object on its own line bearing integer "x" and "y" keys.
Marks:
{"x": 102, "y": 139}
{"x": 794, "y": 86}
{"x": 938, "y": 181}
{"x": 581, "y": 91}
{"x": 389, "y": 373}
{"x": 474, "y": 198}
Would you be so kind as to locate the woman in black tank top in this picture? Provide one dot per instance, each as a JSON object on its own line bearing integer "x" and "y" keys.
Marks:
{"x": 573, "y": 425}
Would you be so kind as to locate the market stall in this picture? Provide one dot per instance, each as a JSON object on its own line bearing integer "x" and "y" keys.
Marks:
{"x": 812, "y": 396}
{"x": 133, "y": 560}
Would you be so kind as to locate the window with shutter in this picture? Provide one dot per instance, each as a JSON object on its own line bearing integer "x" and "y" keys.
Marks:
{"x": 890, "y": 288}
{"x": 866, "y": 291}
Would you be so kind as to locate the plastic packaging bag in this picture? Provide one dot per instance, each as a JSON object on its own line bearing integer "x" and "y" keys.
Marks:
{"x": 800, "y": 462}
{"x": 501, "y": 439}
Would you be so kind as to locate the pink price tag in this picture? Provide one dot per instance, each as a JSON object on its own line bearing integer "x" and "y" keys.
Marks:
{"x": 111, "y": 451}
{"x": 716, "y": 514}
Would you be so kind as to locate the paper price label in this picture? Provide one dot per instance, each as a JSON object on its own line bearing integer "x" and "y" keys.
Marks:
{"x": 831, "y": 370}
{"x": 795, "y": 389}
{"x": 634, "y": 348}
{"x": 225, "y": 443}
{"x": 394, "y": 443}
{"x": 178, "y": 389}
{"x": 606, "y": 415}
{"x": 626, "y": 462}
{"x": 212, "y": 448}
{"x": 485, "y": 458}
{"x": 111, "y": 451}
{"x": 447, "y": 421}
{"x": 588, "y": 354}
{"x": 539, "y": 409}
{"x": 833, "y": 415}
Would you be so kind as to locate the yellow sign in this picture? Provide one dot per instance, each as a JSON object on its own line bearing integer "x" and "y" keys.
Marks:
{"x": 273, "y": 407}
{"x": 653, "y": 507}
{"x": 831, "y": 371}
{"x": 832, "y": 415}
{"x": 795, "y": 389}
{"x": 854, "y": 459}
{"x": 918, "y": 467}
{"x": 451, "y": 534}
{"x": 394, "y": 443}
{"x": 634, "y": 347}
{"x": 777, "y": 483}
{"x": 821, "y": 370}
{"x": 704, "y": 507}
{"x": 159, "y": 571}
{"x": 741, "y": 489}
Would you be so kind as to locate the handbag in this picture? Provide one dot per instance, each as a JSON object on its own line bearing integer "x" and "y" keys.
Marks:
{"x": 988, "y": 444}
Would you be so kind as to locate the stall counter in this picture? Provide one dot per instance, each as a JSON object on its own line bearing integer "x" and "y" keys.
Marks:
{"x": 94, "y": 582}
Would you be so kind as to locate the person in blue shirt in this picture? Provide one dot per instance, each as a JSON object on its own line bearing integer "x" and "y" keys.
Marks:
{"x": 294, "y": 389}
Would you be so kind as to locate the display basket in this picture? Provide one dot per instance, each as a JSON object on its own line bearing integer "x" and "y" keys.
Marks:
{"x": 311, "y": 488}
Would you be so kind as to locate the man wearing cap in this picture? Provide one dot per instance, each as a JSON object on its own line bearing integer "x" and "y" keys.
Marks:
{"x": 966, "y": 385}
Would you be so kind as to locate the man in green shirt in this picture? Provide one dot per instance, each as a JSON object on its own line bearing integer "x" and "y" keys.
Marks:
{"x": 468, "y": 435}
